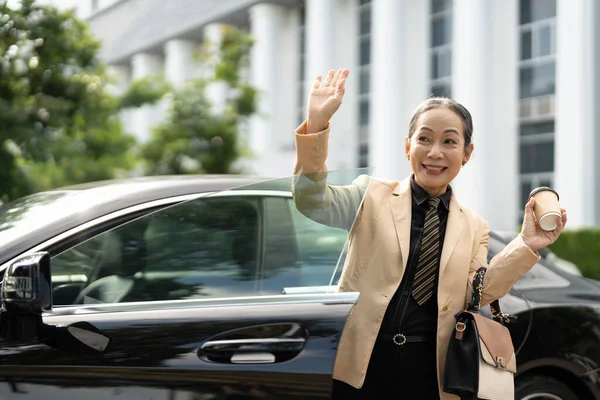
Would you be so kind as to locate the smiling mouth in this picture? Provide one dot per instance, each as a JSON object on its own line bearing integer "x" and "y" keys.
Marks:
{"x": 434, "y": 168}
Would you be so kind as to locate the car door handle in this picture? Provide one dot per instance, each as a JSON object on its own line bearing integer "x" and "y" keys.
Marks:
{"x": 252, "y": 351}
{"x": 268, "y": 343}
{"x": 272, "y": 345}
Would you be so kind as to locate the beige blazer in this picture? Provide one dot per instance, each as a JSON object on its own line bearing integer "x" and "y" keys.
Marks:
{"x": 378, "y": 249}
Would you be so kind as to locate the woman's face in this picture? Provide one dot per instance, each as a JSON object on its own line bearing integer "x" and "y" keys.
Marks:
{"x": 437, "y": 149}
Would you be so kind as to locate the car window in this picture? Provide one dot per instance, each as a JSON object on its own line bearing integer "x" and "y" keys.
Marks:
{"x": 299, "y": 252}
{"x": 205, "y": 247}
{"x": 243, "y": 242}
{"x": 319, "y": 248}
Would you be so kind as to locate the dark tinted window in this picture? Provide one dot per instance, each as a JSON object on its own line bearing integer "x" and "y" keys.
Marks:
{"x": 205, "y": 247}
{"x": 440, "y": 5}
{"x": 536, "y": 128}
{"x": 526, "y": 50}
{"x": 441, "y": 31}
{"x": 537, "y": 80}
{"x": 537, "y": 157}
{"x": 534, "y": 10}
{"x": 441, "y": 89}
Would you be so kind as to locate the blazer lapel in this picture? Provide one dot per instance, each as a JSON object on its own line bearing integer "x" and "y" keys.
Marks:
{"x": 454, "y": 228}
{"x": 402, "y": 210}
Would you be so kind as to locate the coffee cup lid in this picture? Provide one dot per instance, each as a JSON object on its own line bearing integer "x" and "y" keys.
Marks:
{"x": 541, "y": 189}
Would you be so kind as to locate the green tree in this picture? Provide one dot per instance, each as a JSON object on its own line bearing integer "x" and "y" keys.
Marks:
{"x": 59, "y": 123}
{"x": 195, "y": 137}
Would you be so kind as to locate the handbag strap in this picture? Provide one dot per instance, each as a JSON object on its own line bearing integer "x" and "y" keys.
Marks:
{"x": 475, "y": 303}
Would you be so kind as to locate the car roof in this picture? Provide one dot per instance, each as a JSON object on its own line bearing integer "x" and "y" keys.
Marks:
{"x": 74, "y": 205}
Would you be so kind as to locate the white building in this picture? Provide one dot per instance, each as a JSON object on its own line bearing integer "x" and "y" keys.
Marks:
{"x": 528, "y": 70}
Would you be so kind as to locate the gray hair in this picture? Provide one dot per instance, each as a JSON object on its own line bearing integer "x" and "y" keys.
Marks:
{"x": 437, "y": 102}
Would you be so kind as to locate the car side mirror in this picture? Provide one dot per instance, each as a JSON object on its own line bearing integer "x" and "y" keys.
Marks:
{"x": 27, "y": 285}
{"x": 25, "y": 294}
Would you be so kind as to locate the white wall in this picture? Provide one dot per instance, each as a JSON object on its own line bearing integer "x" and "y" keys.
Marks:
{"x": 274, "y": 138}
{"x": 484, "y": 44}
{"x": 576, "y": 133}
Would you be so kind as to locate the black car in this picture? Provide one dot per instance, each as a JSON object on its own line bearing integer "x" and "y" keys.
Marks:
{"x": 216, "y": 287}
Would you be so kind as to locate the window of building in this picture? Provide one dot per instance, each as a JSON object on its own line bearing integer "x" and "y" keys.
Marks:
{"x": 441, "y": 47}
{"x": 536, "y": 10}
{"x": 364, "y": 48}
{"x": 537, "y": 79}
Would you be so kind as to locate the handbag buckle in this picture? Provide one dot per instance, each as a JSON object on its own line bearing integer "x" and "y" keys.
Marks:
{"x": 399, "y": 339}
{"x": 460, "y": 328}
{"x": 501, "y": 361}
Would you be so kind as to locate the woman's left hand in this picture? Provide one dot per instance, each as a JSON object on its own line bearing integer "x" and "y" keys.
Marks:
{"x": 532, "y": 233}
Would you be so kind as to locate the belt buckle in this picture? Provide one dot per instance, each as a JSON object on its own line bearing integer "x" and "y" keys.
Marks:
{"x": 399, "y": 339}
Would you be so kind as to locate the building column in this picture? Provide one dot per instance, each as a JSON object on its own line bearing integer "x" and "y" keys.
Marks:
{"x": 320, "y": 38}
{"x": 216, "y": 91}
{"x": 321, "y": 56}
{"x": 267, "y": 22}
{"x": 576, "y": 146}
{"x": 122, "y": 77}
{"x": 399, "y": 80}
{"x": 344, "y": 153}
{"x": 144, "y": 65}
{"x": 179, "y": 61}
{"x": 482, "y": 82}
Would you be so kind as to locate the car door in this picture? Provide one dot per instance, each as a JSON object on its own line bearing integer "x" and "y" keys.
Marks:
{"x": 199, "y": 302}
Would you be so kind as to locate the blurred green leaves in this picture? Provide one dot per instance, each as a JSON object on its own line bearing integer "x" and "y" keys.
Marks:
{"x": 58, "y": 122}
{"x": 580, "y": 246}
{"x": 198, "y": 136}
{"x": 144, "y": 91}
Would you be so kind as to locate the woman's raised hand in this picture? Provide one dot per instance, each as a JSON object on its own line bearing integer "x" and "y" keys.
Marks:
{"x": 325, "y": 99}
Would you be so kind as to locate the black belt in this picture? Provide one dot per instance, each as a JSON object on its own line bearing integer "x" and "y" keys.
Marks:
{"x": 400, "y": 339}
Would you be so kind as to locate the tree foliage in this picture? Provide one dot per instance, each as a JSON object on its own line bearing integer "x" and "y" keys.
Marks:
{"x": 58, "y": 121}
{"x": 197, "y": 136}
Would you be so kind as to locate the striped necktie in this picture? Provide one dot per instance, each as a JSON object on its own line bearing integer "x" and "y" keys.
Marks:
{"x": 422, "y": 288}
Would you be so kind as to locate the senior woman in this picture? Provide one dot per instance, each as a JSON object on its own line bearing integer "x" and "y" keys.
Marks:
{"x": 413, "y": 250}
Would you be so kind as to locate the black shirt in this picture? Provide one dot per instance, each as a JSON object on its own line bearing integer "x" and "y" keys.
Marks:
{"x": 404, "y": 315}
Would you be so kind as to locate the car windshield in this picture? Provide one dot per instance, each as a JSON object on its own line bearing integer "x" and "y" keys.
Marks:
{"x": 278, "y": 236}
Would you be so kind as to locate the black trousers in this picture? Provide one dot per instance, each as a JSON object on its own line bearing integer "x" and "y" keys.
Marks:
{"x": 396, "y": 372}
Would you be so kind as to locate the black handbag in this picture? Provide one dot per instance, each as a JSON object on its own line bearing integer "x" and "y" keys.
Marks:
{"x": 481, "y": 361}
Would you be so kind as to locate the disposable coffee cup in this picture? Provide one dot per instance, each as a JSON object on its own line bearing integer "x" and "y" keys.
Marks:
{"x": 546, "y": 208}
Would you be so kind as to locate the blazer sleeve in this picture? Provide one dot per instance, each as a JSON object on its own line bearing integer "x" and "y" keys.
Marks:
{"x": 504, "y": 270}
{"x": 331, "y": 205}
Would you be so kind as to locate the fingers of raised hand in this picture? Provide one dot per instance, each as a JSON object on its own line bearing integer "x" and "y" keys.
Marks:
{"x": 341, "y": 88}
{"x": 317, "y": 83}
{"x": 329, "y": 77}
{"x": 340, "y": 76}
{"x": 336, "y": 78}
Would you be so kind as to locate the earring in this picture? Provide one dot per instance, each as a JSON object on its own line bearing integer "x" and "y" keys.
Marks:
{"x": 408, "y": 157}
